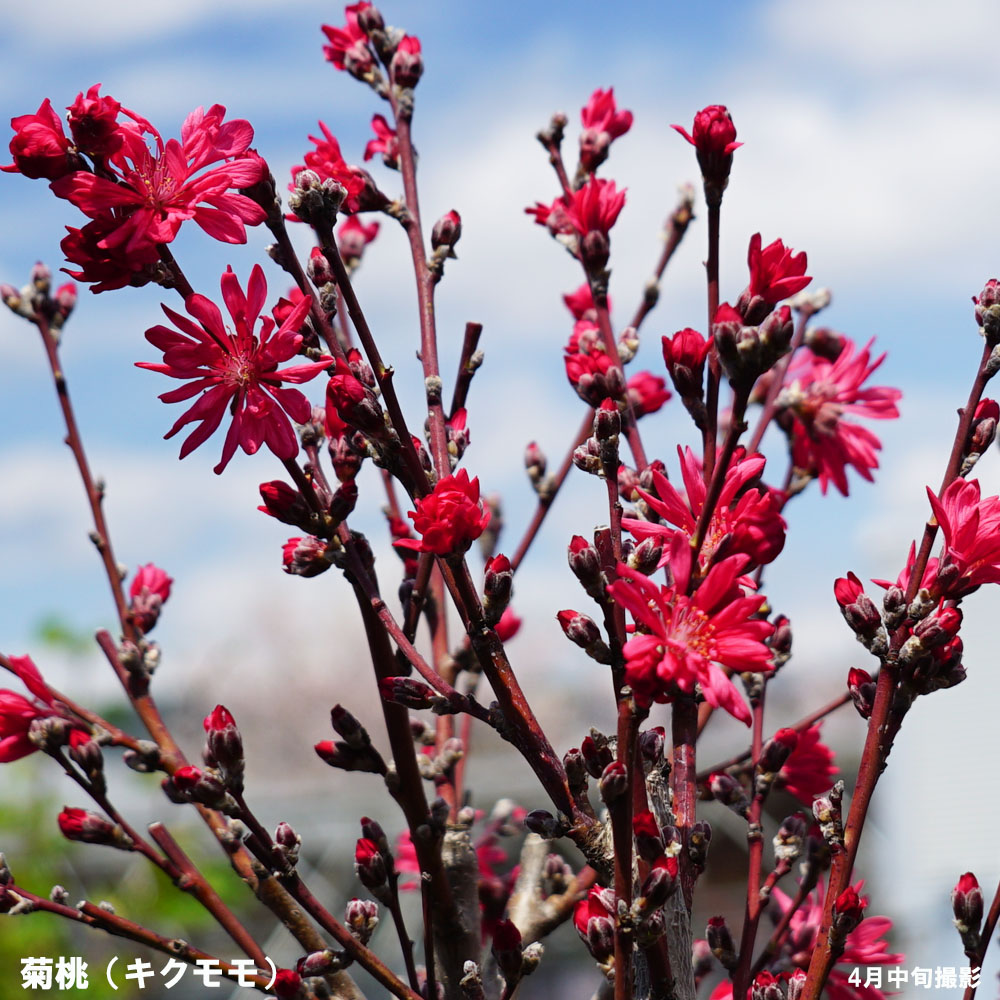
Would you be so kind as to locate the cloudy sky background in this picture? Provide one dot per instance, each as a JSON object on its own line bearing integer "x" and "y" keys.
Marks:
{"x": 869, "y": 144}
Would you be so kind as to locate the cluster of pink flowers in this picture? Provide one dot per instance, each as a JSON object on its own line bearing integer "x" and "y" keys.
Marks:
{"x": 686, "y": 641}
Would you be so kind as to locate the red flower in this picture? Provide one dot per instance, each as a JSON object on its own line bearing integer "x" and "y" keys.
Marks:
{"x": 107, "y": 267}
{"x": 687, "y": 640}
{"x": 93, "y": 121}
{"x": 713, "y": 131}
{"x": 776, "y": 273}
{"x": 385, "y": 142}
{"x": 40, "y": 146}
{"x": 508, "y": 626}
{"x": 684, "y": 355}
{"x": 713, "y": 136}
{"x": 594, "y": 920}
{"x": 602, "y": 124}
{"x": 154, "y": 193}
{"x": 647, "y": 393}
{"x": 809, "y": 770}
{"x": 149, "y": 589}
{"x": 353, "y": 236}
{"x": 819, "y": 393}
{"x": 865, "y": 944}
{"x": 326, "y": 161}
{"x": 17, "y": 713}
{"x": 581, "y": 303}
{"x": 348, "y": 48}
{"x": 450, "y": 519}
{"x": 595, "y": 207}
{"x": 590, "y": 369}
{"x": 88, "y": 828}
{"x": 971, "y": 529}
{"x": 236, "y": 372}
{"x": 747, "y": 519}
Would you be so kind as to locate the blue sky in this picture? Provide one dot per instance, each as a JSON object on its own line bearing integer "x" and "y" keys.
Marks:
{"x": 868, "y": 144}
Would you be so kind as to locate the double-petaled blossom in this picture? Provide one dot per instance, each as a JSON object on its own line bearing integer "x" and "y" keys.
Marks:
{"x": 235, "y": 371}
{"x": 327, "y": 162}
{"x": 646, "y": 393}
{"x": 776, "y": 274}
{"x": 105, "y": 267}
{"x": 746, "y": 520}
{"x": 385, "y": 142}
{"x": 713, "y": 136}
{"x": 348, "y": 48}
{"x": 154, "y": 191}
{"x": 353, "y": 236}
{"x": 581, "y": 303}
{"x": 602, "y": 124}
{"x": 93, "y": 123}
{"x": 971, "y": 529}
{"x": 148, "y": 591}
{"x": 820, "y": 395}
{"x": 40, "y": 147}
{"x": 683, "y": 642}
{"x": 450, "y": 519}
{"x": 809, "y": 769}
{"x": 595, "y": 207}
{"x": 17, "y": 713}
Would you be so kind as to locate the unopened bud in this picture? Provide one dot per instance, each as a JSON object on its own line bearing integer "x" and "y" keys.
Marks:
{"x": 729, "y": 792}
{"x": 89, "y": 828}
{"x": 369, "y": 865}
{"x": 861, "y": 686}
{"x": 224, "y": 747}
{"x": 507, "y": 950}
{"x": 967, "y": 904}
{"x": 361, "y": 918}
{"x": 789, "y": 839}
{"x": 720, "y": 940}
{"x": 446, "y": 232}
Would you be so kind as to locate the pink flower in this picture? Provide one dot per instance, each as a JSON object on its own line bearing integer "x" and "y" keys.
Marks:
{"x": 713, "y": 136}
{"x": 747, "y": 519}
{"x": 40, "y": 146}
{"x": 602, "y": 124}
{"x": 581, "y": 303}
{"x": 155, "y": 192}
{"x": 776, "y": 273}
{"x": 353, "y": 236}
{"x": 385, "y": 142}
{"x": 647, "y": 393}
{"x": 713, "y": 131}
{"x": 93, "y": 121}
{"x": 326, "y": 161}
{"x": 686, "y": 641}
{"x": 149, "y": 590}
{"x": 450, "y": 519}
{"x": 509, "y": 625}
{"x": 348, "y": 48}
{"x": 17, "y": 712}
{"x": 236, "y": 371}
{"x": 595, "y": 207}
{"x": 809, "y": 770}
{"x": 971, "y": 529}
{"x": 107, "y": 267}
{"x": 865, "y": 944}
{"x": 819, "y": 394}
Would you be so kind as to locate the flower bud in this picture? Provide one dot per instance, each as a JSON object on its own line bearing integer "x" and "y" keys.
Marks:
{"x": 507, "y": 950}
{"x": 224, "y": 747}
{"x": 596, "y": 755}
{"x": 698, "y": 843}
{"x": 987, "y": 311}
{"x": 729, "y": 792}
{"x": 967, "y": 904}
{"x": 305, "y": 556}
{"x": 585, "y": 633}
{"x": 861, "y": 686}
{"x": 287, "y": 984}
{"x": 89, "y": 828}
{"x": 661, "y": 882}
{"x": 648, "y": 842}
{"x": 369, "y": 865}
{"x": 361, "y": 918}
{"x": 195, "y": 785}
{"x": 652, "y": 743}
{"x": 407, "y": 64}
{"x": 586, "y": 566}
{"x": 848, "y": 912}
{"x": 720, "y": 940}
{"x": 405, "y": 691}
{"x": 790, "y": 838}
{"x": 447, "y": 232}
{"x": 777, "y": 750}
{"x": 535, "y": 463}
{"x": 543, "y": 823}
{"x": 497, "y": 585}
{"x": 766, "y": 987}
{"x": 285, "y": 504}
{"x": 613, "y": 784}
